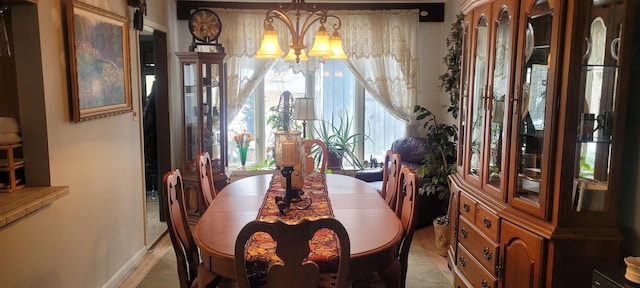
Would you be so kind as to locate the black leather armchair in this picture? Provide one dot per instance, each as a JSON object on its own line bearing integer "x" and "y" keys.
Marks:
{"x": 411, "y": 151}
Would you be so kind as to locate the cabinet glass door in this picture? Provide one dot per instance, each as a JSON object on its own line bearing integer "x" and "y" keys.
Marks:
{"x": 499, "y": 89}
{"x": 478, "y": 96}
{"x": 464, "y": 92}
{"x": 597, "y": 105}
{"x": 191, "y": 114}
{"x": 211, "y": 112}
{"x": 531, "y": 124}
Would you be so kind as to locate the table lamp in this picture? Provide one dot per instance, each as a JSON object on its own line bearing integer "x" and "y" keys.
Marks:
{"x": 304, "y": 109}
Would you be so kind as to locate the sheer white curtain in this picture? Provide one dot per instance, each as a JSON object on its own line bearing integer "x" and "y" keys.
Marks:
{"x": 382, "y": 47}
{"x": 241, "y": 35}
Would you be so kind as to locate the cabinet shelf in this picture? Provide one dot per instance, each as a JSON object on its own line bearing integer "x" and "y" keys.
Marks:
{"x": 11, "y": 167}
{"x": 603, "y": 67}
{"x": 17, "y": 163}
{"x": 596, "y": 140}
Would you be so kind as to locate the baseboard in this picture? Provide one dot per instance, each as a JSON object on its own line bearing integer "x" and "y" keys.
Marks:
{"x": 126, "y": 269}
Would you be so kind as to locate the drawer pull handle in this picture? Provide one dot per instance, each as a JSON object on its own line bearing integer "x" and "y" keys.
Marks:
{"x": 464, "y": 232}
{"x": 487, "y": 222}
{"x": 466, "y": 207}
{"x": 462, "y": 261}
{"x": 487, "y": 253}
{"x": 485, "y": 284}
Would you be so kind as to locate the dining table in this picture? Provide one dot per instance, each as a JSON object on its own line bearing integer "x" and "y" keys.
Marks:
{"x": 373, "y": 227}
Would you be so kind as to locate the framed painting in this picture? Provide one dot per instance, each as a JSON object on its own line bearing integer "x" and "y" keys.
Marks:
{"x": 99, "y": 62}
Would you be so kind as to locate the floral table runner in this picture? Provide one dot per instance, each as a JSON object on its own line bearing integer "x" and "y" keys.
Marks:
{"x": 324, "y": 251}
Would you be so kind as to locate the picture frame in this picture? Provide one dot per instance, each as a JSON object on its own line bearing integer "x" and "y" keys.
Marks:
{"x": 99, "y": 63}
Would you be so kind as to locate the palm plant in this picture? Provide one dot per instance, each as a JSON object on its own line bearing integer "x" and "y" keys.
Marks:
{"x": 339, "y": 139}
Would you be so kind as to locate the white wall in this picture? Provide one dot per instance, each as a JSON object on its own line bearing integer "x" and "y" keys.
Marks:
{"x": 93, "y": 236}
{"x": 433, "y": 48}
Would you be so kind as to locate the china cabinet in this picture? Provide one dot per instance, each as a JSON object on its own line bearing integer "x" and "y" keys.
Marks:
{"x": 543, "y": 95}
{"x": 204, "y": 119}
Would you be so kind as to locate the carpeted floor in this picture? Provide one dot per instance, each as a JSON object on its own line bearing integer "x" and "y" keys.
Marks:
{"x": 422, "y": 273}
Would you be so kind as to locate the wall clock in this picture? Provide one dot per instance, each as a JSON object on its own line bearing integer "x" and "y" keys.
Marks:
{"x": 205, "y": 26}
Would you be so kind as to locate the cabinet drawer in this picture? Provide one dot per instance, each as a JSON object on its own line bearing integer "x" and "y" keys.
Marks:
{"x": 458, "y": 282}
{"x": 471, "y": 269}
{"x": 483, "y": 249}
{"x": 487, "y": 222}
{"x": 467, "y": 207}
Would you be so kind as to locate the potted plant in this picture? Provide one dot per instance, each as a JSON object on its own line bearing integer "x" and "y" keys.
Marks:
{"x": 277, "y": 121}
{"x": 340, "y": 141}
{"x": 440, "y": 154}
{"x": 441, "y": 229}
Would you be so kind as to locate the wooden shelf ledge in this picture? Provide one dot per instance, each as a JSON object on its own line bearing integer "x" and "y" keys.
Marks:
{"x": 18, "y": 204}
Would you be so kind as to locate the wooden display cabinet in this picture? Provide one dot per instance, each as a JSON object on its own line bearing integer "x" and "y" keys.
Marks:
{"x": 11, "y": 167}
{"x": 543, "y": 98}
{"x": 204, "y": 119}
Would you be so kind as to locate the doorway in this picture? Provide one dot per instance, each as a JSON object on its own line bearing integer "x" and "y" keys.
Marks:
{"x": 157, "y": 159}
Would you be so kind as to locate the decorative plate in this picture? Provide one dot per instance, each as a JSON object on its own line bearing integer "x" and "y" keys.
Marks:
{"x": 205, "y": 25}
{"x": 529, "y": 43}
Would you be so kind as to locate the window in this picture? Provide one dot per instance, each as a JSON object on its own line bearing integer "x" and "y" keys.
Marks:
{"x": 336, "y": 91}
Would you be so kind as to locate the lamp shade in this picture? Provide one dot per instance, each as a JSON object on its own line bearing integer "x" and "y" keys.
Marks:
{"x": 320, "y": 44}
{"x": 304, "y": 109}
{"x": 269, "y": 48}
{"x": 335, "y": 44}
{"x": 291, "y": 56}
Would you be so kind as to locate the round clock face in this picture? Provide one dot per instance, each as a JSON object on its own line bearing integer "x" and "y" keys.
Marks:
{"x": 205, "y": 25}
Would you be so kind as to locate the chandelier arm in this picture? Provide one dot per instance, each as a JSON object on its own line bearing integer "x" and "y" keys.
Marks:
{"x": 282, "y": 16}
{"x": 320, "y": 15}
{"x": 268, "y": 22}
{"x": 336, "y": 26}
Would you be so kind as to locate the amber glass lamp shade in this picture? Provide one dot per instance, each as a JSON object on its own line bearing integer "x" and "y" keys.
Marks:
{"x": 269, "y": 48}
{"x": 291, "y": 56}
{"x": 320, "y": 44}
{"x": 335, "y": 45}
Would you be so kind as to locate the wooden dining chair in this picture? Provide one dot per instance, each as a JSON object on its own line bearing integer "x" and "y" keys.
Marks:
{"x": 205, "y": 179}
{"x": 390, "y": 175}
{"x": 292, "y": 267}
{"x": 396, "y": 274}
{"x": 311, "y": 154}
{"x": 190, "y": 270}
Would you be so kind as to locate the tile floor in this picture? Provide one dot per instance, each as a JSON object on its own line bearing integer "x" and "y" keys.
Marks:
{"x": 155, "y": 228}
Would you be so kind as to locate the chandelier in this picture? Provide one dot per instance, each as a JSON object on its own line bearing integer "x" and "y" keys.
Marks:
{"x": 325, "y": 46}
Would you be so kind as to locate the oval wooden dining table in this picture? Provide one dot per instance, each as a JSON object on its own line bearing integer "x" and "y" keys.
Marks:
{"x": 374, "y": 229}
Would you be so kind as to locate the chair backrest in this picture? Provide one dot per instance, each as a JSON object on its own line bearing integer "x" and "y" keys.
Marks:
{"x": 390, "y": 175}
{"x": 205, "y": 179}
{"x": 293, "y": 269}
{"x": 187, "y": 254}
{"x": 406, "y": 211}
{"x": 310, "y": 163}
